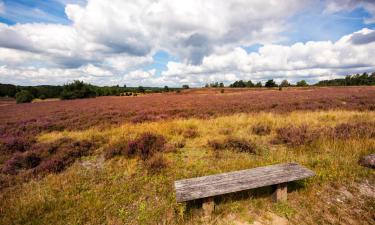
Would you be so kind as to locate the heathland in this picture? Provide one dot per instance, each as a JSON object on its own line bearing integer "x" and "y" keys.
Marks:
{"x": 113, "y": 160}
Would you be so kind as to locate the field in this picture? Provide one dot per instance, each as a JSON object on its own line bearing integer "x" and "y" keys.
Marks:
{"x": 113, "y": 160}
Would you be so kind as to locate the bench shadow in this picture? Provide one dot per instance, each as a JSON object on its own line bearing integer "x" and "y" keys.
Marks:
{"x": 256, "y": 193}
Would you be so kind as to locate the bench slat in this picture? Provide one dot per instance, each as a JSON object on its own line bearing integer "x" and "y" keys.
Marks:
{"x": 208, "y": 186}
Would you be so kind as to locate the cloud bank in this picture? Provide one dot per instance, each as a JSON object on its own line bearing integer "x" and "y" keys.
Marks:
{"x": 113, "y": 43}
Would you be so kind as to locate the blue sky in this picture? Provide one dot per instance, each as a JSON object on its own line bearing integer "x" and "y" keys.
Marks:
{"x": 160, "y": 49}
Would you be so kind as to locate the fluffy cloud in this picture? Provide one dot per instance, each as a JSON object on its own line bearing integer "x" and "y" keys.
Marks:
{"x": 109, "y": 43}
{"x": 312, "y": 61}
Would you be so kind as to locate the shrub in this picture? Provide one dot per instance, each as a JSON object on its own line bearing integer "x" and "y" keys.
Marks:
{"x": 295, "y": 135}
{"x": 156, "y": 163}
{"x": 17, "y": 144}
{"x": 237, "y": 144}
{"x": 117, "y": 149}
{"x": 261, "y": 129}
{"x": 24, "y": 97}
{"x": 191, "y": 133}
{"x": 55, "y": 164}
{"x": 148, "y": 144}
{"x": 20, "y": 161}
{"x": 356, "y": 130}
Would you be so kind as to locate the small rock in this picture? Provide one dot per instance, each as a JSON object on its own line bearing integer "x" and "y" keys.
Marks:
{"x": 368, "y": 161}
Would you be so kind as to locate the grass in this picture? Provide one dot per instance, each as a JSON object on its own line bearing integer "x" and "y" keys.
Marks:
{"x": 121, "y": 190}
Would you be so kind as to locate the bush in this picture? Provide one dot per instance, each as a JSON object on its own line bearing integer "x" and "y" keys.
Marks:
{"x": 156, "y": 163}
{"x": 145, "y": 146}
{"x": 237, "y": 144}
{"x": 148, "y": 144}
{"x": 295, "y": 136}
{"x": 24, "y": 97}
{"x": 18, "y": 144}
{"x": 261, "y": 129}
{"x": 354, "y": 130}
{"x": 20, "y": 161}
{"x": 116, "y": 150}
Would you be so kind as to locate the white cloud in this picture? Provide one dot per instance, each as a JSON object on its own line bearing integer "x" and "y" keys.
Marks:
{"x": 109, "y": 43}
{"x": 312, "y": 61}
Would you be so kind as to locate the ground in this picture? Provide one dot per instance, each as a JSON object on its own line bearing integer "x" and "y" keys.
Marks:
{"x": 203, "y": 132}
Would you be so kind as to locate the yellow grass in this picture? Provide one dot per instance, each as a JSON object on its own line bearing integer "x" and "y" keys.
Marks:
{"x": 121, "y": 191}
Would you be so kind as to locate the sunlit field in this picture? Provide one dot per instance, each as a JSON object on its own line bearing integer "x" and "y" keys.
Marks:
{"x": 120, "y": 169}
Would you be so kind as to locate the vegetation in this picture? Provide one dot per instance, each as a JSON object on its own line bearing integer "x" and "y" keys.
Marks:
{"x": 24, "y": 97}
{"x": 350, "y": 80}
{"x": 302, "y": 83}
{"x": 139, "y": 190}
{"x": 77, "y": 89}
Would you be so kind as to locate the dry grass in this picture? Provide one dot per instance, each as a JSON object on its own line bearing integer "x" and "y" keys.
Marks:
{"x": 125, "y": 190}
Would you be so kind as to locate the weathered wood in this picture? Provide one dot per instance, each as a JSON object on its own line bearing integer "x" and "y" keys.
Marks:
{"x": 208, "y": 206}
{"x": 281, "y": 192}
{"x": 213, "y": 185}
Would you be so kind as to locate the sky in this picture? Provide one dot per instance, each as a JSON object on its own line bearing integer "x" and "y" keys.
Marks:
{"x": 176, "y": 42}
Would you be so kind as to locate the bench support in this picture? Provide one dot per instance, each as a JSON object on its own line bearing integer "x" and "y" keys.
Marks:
{"x": 281, "y": 192}
{"x": 208, "y": 206}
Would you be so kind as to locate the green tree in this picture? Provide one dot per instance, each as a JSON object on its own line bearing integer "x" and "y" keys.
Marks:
{"x": 221, "y": 84}
{"x": 185, "y": 86}
{"x": 249, "y": 84}
{"x": 77, "y": 89}
{"x": 141, "y": 89}
{"x": 259, "y": 84}
{"x": 284, "y": 83}
{"x": 166, "y": 88}
{"x": 302, "y": 83}
{"x": 24, "y": 97}
{"x": 270, "y": 83}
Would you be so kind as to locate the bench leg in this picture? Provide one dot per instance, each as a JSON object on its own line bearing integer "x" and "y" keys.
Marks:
{"x": 208, "y": 206}
{"x": 281, "y": 192}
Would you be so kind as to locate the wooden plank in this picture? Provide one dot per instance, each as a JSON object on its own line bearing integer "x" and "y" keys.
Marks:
{"x": 208, "y": 186}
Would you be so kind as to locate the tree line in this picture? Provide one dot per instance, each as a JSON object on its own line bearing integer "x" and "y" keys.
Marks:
{"x": 74, "y": 90}
{"x": 349, "y": 80}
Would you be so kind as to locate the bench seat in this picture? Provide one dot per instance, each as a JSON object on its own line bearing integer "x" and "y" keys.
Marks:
{"x": 219, "y": 184}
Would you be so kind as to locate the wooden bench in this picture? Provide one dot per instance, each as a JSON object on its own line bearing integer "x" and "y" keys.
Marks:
{"x": 208, "y": 186}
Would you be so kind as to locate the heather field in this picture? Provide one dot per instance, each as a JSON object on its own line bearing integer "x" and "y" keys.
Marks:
{"x": 113, "y": 160}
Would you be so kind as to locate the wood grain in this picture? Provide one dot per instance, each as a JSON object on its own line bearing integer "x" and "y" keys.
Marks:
{"x": 208, "y": 186}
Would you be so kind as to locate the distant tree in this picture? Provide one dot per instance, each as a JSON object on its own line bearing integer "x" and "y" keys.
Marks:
{"x": 284, "y": 83}
{"x": 207, "y": 85}
{"x": 8, "y": 90}
{"x": 221, "y": 84}
{"x": 166, "y": 88}
{"x": 249, "y": 84}
{"x": 302, "y": 83}
{"x": 24, "y": 97}
{"x": 259, "y": 84}
{"x": 185, "y": 86}
{"x": 77, "y": 89}
{"x": 238, "y": 84}
{"x": 270, "y": 83}
{"x": 141, "y": 89}
{"x": 124, "y": 86}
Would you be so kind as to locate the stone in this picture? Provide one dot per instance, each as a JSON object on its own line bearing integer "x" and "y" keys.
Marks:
{"x": 368, "y": 161}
